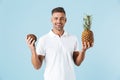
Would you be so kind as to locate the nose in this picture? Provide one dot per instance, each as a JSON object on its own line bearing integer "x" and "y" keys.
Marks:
{"x": 58, "y": 21}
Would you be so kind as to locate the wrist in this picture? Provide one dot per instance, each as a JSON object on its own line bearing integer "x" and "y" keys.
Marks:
{"x": 83, "y": 50}
{"x": 33, "y": 49}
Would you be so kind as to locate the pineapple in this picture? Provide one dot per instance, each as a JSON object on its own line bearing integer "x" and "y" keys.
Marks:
{"x": 87, "y": 34}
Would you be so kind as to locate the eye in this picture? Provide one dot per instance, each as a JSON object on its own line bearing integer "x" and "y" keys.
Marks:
{"x": 55, "y": 18}
{"x": 62, "y": 18}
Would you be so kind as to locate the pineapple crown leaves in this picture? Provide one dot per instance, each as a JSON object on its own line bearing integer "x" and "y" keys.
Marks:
{"x": 87, "y": 22}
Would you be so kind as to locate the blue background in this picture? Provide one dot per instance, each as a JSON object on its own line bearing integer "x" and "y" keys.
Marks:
{"x": 21, "y": 17}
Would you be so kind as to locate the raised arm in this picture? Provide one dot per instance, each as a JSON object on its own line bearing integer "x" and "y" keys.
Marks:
{"x": 35, "y": 59}
{"x": 78, "y": 56}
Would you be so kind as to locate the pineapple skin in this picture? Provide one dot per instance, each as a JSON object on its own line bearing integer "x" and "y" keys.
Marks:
{"x": 87, "y": 36}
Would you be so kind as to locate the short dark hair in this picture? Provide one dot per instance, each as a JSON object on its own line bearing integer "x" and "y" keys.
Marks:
{"x": 58, "y": 9}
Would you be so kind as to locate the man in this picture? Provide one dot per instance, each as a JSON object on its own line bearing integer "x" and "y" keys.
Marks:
{"x": 58, "y": 49}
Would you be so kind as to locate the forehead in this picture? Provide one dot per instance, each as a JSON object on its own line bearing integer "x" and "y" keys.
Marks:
{"x": 58, "y": 14}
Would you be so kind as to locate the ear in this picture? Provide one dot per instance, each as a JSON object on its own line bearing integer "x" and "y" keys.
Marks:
{"x": 65, "y": 19}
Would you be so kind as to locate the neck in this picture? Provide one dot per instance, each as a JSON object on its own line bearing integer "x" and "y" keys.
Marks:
{"x": 58, "y": 32}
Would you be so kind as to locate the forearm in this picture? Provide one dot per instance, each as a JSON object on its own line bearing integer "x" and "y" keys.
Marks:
{"x": 80, "y": 57}
{"x": 35, "y": 59}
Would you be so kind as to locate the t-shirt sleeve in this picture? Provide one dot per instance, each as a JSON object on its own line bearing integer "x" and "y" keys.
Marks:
{"x": 76, "y": 47}
{"x": 40, "y": 47}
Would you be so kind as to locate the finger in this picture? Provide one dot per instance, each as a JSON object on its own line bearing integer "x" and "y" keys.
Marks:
{"x": 85, "y": 45}
{"x": 82, "y": 44}
{"x": 33, "y": 42}
{"x": 88, "y": 45}
{"x": 28, "y": 40}
{"x": 92, "y": 44}
{"x": 28, "y": 37}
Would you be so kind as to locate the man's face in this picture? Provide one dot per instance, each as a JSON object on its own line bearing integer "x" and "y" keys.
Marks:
{"x": 58, "y": 20}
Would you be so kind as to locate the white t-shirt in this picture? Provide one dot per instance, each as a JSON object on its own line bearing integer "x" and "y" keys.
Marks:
{"x": 58, "y": 52}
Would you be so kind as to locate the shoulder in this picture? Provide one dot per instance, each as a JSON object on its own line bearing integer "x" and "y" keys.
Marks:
{"x": 72, "y": 36}
{"x": 44, "y": 38}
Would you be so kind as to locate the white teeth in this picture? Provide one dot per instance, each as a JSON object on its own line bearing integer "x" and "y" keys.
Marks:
{"x": 58, "y": 24}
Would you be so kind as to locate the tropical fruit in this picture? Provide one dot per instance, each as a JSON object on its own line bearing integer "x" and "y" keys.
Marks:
{"x": 32, "y": 36}
{"x": 87, "y": 34}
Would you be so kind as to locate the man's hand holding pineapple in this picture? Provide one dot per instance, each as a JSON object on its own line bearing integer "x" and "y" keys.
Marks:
{"x": 87, "y": 34}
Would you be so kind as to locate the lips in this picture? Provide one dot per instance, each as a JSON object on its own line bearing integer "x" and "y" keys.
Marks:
{"x": 59, "y": 24}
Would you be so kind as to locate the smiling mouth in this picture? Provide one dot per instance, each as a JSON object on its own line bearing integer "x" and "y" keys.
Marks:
{"x": 59, "y": 24}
